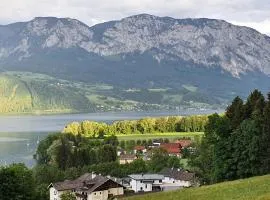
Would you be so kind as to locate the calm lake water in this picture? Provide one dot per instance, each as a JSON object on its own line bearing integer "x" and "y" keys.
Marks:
{"x": 19, "y": 135}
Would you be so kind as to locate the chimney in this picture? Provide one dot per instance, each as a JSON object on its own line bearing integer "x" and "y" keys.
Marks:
{"x": 93, "y": 175}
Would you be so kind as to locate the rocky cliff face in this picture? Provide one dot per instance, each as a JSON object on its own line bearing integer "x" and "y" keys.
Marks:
{"x": 207, "y": 42}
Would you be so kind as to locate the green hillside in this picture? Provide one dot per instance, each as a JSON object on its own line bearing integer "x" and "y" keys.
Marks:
{"x": 257, "y": 188}
{"x": 26, "y": 92}
{"x": 34, "y": 93}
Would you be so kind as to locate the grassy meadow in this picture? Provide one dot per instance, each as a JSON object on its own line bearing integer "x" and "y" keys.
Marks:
{"x": 169, "y": 135}
{"x": 257, "y": 188}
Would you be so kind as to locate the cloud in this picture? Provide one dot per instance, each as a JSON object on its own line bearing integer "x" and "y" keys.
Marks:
{"x": 254, "y": 13}
{"x": 263, "y": 26}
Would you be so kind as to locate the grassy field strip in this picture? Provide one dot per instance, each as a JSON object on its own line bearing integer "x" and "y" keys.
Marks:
{"x": 257, "y": 188}
{"x": 169, "y": 135}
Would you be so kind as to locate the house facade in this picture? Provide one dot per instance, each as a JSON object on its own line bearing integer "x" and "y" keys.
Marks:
{"x": 178, "y": 178}
{"x": 127, "y": 158}
{"x": 87, "y": 187}
{"x": 146, "y": 182}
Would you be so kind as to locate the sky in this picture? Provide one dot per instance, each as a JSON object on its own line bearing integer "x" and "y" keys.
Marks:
{"x": 252, "y": 13}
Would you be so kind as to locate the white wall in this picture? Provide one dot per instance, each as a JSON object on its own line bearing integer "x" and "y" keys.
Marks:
{"x": 177, "y": 182}
{"x": 116, "y": 191}
{"x": 98, "y": 195}
{"x": 54, "y": 194}
{"x": 137, "y": 186}
{"x": 103, "y": 195}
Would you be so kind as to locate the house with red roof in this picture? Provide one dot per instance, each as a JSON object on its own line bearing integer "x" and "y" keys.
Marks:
{"x": 173, "y": 149}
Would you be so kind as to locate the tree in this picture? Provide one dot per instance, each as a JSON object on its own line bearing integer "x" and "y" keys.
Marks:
{"x": 173, "y": 162}
{"x": 46, "y": 174}
{"x": 42, "y": 192}
{"x": 16, "y": 183}
{"x": 42, "y": 155}
{"x": 158, "y": 160}
{"x": 73, "y": 128}
{"x": 138, "y": 166}
{"x": 250, "y": 105}
{"x": 107, "y": 153}
{"x": 235, "y": 112}
{"x": 68, "y": 196}
{"x": 113, "y": 140}
{"x": 247, "y": 149}
{"x": 265, "y": 140}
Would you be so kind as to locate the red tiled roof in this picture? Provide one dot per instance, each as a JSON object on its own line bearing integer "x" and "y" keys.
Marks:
{"x": 171, "y": 148}
{"x": 139, "y": 148}
{"x": 184, "y": 143}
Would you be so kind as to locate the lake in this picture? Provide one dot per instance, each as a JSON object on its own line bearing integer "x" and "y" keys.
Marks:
{"x": 20, "y": 135}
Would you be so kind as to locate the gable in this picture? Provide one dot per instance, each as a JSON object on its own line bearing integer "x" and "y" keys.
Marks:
{"x": 107, "y": 185}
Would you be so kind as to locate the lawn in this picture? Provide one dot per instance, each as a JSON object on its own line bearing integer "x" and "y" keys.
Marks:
{"x": 170, "y": 135}
{"x": 257, "y": 188}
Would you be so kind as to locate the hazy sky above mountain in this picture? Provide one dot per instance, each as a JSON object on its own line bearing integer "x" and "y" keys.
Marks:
{"x": 253, "y": 13}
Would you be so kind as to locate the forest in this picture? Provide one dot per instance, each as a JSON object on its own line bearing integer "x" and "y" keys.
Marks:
{"x": 148, "y": 125}
{"x": 236, "y": 145}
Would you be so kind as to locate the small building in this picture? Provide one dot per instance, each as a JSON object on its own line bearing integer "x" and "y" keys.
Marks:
{"x": 146, "y": 182}
{"x": 87, "y": 187}
{"x": 139, "y": 150}
{"x": 127, "y": 158}
{"x": 173, "y": 149}
{"x": 177, "y": 178}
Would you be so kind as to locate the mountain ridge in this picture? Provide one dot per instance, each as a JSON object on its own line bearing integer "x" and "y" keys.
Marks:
{"x": 143, "y": 52}
{"x": 135, "y": 33}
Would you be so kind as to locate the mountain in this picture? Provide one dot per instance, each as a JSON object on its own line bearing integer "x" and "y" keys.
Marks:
{"x": 188, "y": 60}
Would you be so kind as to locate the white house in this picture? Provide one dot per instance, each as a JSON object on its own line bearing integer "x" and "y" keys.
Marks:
{"x": 87, "y": 187}
{"x": 146, "y": 182}
{"x": 177, "y": 178}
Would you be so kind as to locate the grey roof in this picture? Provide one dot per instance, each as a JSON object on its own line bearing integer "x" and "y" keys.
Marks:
{"x": 84, "y": 183}
{"x": 93, "y": 184}
{"x": 69, "y": 185}
{"x": 146, "y": 176}
{"x": 178, "y": 174}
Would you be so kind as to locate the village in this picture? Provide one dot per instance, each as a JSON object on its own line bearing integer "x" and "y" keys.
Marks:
{"x": 92, "y": 186}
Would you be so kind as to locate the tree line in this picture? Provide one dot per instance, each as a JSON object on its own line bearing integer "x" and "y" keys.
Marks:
{"x": 237, "y": 144}
{"x": 68, "y": 150}
{"x": 142, "y": 126}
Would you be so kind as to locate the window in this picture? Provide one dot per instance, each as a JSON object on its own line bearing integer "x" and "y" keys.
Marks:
{"x": 95, "y": 193}
{"x": 141, "y": 181}
{"x": 141, "y": 189}
{"x": 100, "y": 193}
{"x": 145, "y": 186}
{"x": 55, "y": 192}
{"x": 160, "y": 181}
